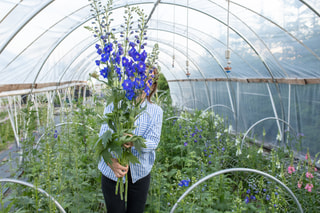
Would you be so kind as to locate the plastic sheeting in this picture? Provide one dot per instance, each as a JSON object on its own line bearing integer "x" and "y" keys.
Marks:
{"x": 274, "y": 45}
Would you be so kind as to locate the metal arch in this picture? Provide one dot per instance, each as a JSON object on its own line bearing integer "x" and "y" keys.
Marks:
{"x": 264, "y": 119}
{"x": 311, "y": 8}
{"x": 76, "y": 57}
{"x": 12, "y": 9}
{"x": 234, "y": 30}
{"x": 36, "y": 188}
{"x": 93, "y": 53}
{"x": 24, "y": 24}
{"x": 40, "y": 37}
{"x": 219, "y": 105}
{"x": 168, "y": 69}
{"x": 153, "y": 9}
{"x": 212, "y": 53}
{"x": 51, "y": 51}
{"x": 57, "y": 44}
{"x": 178, "y": 117}
{"x": 237, "y": 170}
{"x": 255, "y": 35}
{"x": 159, "y": 62}
{"x": 203, "y": 46}
{"x": 292, "y": 36}
{"x": 65, "y": 36}
{"x": 60, "y": 124}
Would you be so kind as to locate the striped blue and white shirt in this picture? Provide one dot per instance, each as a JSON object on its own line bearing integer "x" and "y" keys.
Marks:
{"x": 149, "y": 126}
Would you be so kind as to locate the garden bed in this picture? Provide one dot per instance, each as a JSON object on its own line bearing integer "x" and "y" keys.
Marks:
{"x": 193, "y": 145}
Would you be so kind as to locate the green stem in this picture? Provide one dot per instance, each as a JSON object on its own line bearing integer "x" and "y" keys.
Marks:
{"x": 126, "y": 192}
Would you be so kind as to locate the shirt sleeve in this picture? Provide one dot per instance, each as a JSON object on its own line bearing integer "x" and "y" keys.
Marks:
{"x": 153, "y": 134}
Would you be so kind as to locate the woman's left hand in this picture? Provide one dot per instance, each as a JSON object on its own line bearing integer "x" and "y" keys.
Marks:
{"x": 128, "y": 145}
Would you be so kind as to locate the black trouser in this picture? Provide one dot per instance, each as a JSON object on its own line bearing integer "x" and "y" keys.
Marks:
{"x": 137, "y": 195}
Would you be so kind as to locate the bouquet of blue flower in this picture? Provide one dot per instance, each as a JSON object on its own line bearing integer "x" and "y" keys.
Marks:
{"x": 125, "y": 68}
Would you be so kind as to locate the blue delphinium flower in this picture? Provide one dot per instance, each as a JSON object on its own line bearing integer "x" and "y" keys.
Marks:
{"x": 268, "y": 197}
{"x": 104, "y": 72}
{"x": 247, "y": 199}
{"x": 184, "y": 183}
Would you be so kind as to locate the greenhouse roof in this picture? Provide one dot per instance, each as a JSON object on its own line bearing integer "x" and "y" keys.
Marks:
{"x": 44, "y": 45}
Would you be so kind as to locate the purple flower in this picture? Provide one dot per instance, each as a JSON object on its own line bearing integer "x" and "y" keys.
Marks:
{"x": 108, "y": 48}
{"x": 139, "y": 84}
{"x": 184, "y": 183}
{"x": 146, "y": 90}
{"x": 125, "y": 61}
{"x": 136, "y": 56}
{"x": 105, "y": 57}
{"x": 104, "y": 72}
{"x": 247, "y": 200}
{"x": 143, "y": 56}
{"x": 300, "y": 135}
{"x": 185, "y": 144}
{"x": 127, "y": 84}
{"x": 141, "y": 67}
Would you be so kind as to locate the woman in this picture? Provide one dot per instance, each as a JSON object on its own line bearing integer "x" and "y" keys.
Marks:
{"x": 149, "y": 126}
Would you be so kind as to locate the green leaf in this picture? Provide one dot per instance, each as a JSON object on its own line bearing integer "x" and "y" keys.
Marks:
{"x": 106, "y": 137}
{"x": 106, "y": 156}
{"x": 131, "y": 158}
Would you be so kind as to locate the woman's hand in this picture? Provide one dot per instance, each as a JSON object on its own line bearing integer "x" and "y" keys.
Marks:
{"x": 118, "y": 169}
{"x": 128, "y": 145}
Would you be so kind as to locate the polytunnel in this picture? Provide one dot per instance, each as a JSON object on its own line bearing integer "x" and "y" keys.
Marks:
{"x": 253, "y": 62}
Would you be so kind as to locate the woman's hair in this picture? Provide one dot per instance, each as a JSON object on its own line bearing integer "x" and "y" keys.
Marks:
{"x": 154, "y": 85}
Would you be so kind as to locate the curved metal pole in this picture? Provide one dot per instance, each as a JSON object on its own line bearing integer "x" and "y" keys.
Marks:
{"x": 23, "y": 25}
{"x": 34, "y": 187}
{"x": 178, "y": 117}
{"x": 237, "y": 170}
{"x": 61, "y": 124}
{"x": 218, "y": 105}
{"x": 264, "y": 119}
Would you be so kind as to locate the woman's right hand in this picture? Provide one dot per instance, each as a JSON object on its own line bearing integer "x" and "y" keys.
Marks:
{"x": 118, "y": 169}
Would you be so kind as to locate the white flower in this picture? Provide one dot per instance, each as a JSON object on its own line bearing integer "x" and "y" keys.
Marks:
{"x": 218, "y": 135}
{"x": 237, "y": 142}
{"x": 215, "y": 123}
{"x": 278, "y": 137}
{"x": 238, "y": 152}
{"x": 230, "y": 128}
{"x": 278, "y": 165}
{"x": 318, "y": 161}
{"x": 260, "y": 150}
{"x": 248, "y": 156}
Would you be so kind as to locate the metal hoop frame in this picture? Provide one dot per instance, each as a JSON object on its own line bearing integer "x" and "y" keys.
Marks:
{"x": 237, "y": 170}
{"x": 264, "y": 119}
{"x": 34, "y": 187}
